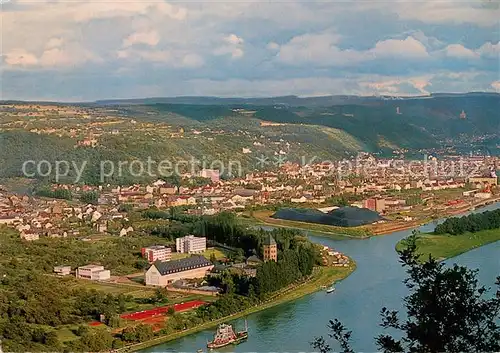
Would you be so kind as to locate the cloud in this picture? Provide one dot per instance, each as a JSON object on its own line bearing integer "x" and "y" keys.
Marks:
{"x": 459, "y": 51}
{"x": 317, "y": 48}
{"x": 322, "y": 49}
{"x": 20, "y": 57}
{"x": 429, "y": 41}
{"x": 192, "y": 61}
{"x": 56, "y": 55}
{"x": 234, "y": 39}
{"x": 151, "y": 38}
{"x": 408, "y": 48}
{"x": 145, "y": 55}
{"x": 447, "y": 11}
{"x": 396, "y": 86}
{"x": 168, "y": 58}
{"x": 487, "y": 50}
{"x": 490, "y": 50}
{"x": 54, "y": 43}
{"x": 273, "y": 46}
{"x": 84, "y": 12}
{"x": 234, "y": 47}
{"x": 292, "y": 42}
{"x": 496, "y": 86}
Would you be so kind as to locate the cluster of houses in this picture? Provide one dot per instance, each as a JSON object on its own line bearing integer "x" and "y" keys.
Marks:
{"x": 291, "y": 183}
{"x": 332, "y": 257}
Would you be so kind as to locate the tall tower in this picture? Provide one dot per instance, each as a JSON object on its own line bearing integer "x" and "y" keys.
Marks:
{"x": 270, "y": 249}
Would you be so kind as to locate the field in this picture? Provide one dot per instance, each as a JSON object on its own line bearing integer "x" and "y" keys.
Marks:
{"x": 446, "y": 246}
{"x": 218, "y": 252}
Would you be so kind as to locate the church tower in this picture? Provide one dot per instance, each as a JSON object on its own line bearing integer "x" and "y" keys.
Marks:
{"x": 270, "y": 249}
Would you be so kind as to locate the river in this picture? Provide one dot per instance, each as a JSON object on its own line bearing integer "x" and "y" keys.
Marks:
{"x": 377, "y": 282}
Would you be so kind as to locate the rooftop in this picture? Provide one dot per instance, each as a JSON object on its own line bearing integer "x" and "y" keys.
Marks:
{"x": 188, "y": 263}
{"x": 269, "y": 240}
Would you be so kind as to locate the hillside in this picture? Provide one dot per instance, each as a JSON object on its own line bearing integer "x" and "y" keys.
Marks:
{"x": 243, "y": 129}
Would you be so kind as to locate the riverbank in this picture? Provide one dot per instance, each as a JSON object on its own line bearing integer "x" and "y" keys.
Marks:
{"x": 323, "y": 276}
{"x": 264, "y": 218}
{"x": 443, "y": 247}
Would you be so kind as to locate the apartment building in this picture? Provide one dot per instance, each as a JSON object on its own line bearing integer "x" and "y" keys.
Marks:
{"x": 157, "y": 253}
{"x": 191, "y": 244}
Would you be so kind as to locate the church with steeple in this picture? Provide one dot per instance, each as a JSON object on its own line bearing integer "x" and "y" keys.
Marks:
{"x": 270, "y": 249}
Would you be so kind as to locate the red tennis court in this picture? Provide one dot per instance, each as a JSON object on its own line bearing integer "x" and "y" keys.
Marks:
{"x": 145, "y": 314}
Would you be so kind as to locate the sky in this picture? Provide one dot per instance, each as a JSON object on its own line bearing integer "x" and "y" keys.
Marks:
{"x": 89, "y": 50}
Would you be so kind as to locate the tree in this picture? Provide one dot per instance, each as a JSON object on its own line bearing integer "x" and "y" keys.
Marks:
{"x": 446, "y": 311}
{"x": 91, "y": 197}
{"x": 97, "y": 340}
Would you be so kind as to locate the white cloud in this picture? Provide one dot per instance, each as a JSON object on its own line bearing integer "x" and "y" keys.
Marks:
{"x": 54, "y": 43}
{"x": 20, "y": 57}
{"x": 321, "y": 49}
{"x": 145, "y": 55}
{"x": 169, "y": 58}
{"x": 233, "y": 47}
{"x": 446, "y": 11}
{"x": 309, "y": 86}
{"x": 273, "y": 46}
{"x": 192, "y": 61}
{"x": 56, "y": 55}
{"x": 459, "y": 51}
{"x": 490, "y": 50}
{"x": 59, "y": 57}
{"x": 393, "y": 86}
{"x": 151, "y": 38}
{"x": 408, "y": 48}
{"x": 317, "y": 48}
{"x": 234, "y": 39}
{"x": 496, "y": 86}
{"x": 429, "y": 42}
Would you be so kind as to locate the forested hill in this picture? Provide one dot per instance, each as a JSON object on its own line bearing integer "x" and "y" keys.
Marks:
{"x": 376, "y": 122}
{"x": 243, "y": 129}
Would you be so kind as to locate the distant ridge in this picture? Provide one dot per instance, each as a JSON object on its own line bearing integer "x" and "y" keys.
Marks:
{"x": 293, "y": 101}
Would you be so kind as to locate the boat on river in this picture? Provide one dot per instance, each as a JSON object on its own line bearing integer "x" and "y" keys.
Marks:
{"x": 331, "y": 289}
{"x": 225, "y": 336}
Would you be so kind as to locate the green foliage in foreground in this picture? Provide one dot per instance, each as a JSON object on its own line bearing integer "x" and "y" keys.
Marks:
{"x": 446, "y": 311}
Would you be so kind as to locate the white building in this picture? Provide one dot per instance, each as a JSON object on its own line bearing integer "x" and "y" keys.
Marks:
{"x": 164, "y": 273}
{"x": 93, "y": 272}
{"x": 29, "y": 236}
{"x": 157, "y": 253}
{"x": 191, "y": 244}
{"x": 62, "y": 270}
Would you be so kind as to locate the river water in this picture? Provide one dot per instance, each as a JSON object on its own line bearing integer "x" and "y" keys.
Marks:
{"x": 377, "y": 282}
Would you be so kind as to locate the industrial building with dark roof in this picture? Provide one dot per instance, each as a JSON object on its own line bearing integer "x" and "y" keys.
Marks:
{"x": 341, "y": 217}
